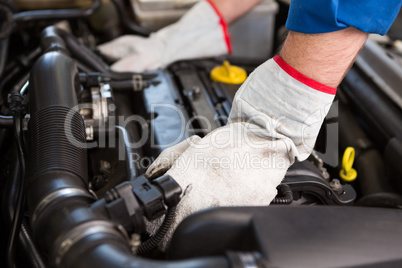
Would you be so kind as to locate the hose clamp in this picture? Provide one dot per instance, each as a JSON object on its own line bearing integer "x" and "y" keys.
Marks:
{"x": 82, "y": 231}
{"x": 54, "y": 196}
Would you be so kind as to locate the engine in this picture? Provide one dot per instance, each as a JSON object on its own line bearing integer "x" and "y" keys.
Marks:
{"x": 76, "y": 139}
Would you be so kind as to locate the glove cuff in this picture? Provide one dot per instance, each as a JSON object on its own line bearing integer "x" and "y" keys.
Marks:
{"x": 302, "y": 78}
{"x": 284, "y": 105}
{"x": 224, "y": 26}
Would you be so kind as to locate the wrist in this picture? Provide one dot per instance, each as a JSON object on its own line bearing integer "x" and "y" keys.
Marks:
{"x": 324, "y": 57}
{"x": 302, "y": 78}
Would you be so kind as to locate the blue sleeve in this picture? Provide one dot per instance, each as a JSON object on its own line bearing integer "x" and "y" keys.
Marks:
{"x": 321, "y": 16}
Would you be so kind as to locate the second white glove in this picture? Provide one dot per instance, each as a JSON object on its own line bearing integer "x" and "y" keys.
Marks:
{"x": 200, "y": 33}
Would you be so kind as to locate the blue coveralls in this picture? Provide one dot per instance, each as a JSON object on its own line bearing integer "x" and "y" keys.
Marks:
{"x": 321, "y": 16}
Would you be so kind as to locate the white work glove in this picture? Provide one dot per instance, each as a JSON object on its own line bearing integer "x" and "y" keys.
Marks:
{"x": 200, "y": 33}
{"x": 275, "y": 120}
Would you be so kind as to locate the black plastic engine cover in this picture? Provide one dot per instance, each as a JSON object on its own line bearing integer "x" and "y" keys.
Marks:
{"x": 295, "y": 236}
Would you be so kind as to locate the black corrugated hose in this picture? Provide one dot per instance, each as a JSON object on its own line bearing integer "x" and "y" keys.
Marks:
{"x": 155, "y": 240}
{"x": 284, "y": 197}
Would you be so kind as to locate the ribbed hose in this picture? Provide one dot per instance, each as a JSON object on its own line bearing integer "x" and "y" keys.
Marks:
{"x": 284, "y": 197}
{"x": 51, "y": 142}
{"x": 155, "y": 240}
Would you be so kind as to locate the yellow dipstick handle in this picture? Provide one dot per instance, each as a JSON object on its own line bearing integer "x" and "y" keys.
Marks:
{"x": 348, "y": 173}
{"x": 228, "y": 73}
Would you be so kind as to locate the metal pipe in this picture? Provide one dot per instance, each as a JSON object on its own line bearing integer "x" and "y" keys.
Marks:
{"x": 132, "y": 171}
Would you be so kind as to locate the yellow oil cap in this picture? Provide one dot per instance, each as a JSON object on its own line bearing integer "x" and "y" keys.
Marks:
{"x": 348, "y": 173}
{"x": 229, "y": 74}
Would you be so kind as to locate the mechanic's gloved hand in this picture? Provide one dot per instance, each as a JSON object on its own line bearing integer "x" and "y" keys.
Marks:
{"x": 201, "y": 32}
{"x": 275, "y": 119}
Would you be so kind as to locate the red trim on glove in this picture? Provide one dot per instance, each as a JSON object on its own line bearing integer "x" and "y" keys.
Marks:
{"x": 304, "y": 79}
{"x": 224, "y": 26}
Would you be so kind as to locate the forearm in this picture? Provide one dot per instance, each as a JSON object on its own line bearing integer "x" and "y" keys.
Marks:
{"x": 233, "y": 9}
{"x": 324, "y": 57}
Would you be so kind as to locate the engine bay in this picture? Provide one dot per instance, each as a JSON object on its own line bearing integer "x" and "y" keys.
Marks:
{"x": 77, "y": 137}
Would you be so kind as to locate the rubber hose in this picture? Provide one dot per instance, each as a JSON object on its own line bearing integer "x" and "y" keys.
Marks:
{"x": 127, "y": 22}
{"x": 29, "y": 249}
{"x": 19, "y": 207}
{"x": 91, "y": 60}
